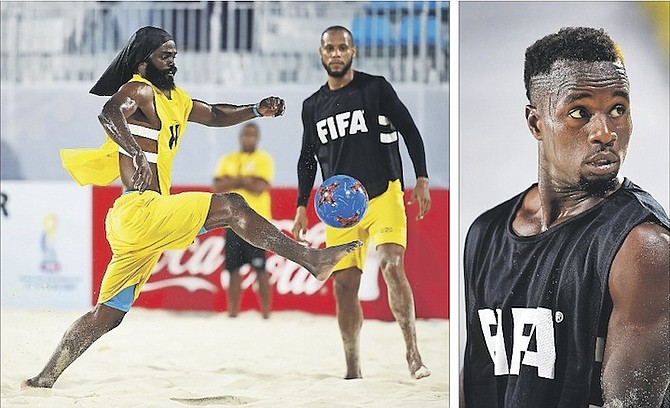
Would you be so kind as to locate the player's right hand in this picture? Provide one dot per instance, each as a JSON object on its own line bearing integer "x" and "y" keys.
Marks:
{"x": 300, "y": 225}
{"x": 142, "y": 176}
{"x": 272, "y": 106}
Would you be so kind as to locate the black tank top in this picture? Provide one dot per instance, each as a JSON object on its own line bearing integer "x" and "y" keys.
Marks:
{"x": 537, "y": 307}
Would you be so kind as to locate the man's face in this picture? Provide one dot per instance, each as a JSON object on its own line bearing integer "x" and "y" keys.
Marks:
{"x": 160, "y": 68}
{"x": 248, "y": 139}
{"x": 337, "y": 53}
{"x": 584, "y": 124}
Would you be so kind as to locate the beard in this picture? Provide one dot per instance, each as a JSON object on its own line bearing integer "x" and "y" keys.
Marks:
{"x": 161, "y": 78}
{"x": 599, "y": 187}
{"x": 337, "y": 74}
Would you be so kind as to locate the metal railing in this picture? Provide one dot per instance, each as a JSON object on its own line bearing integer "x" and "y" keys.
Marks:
{"x": 236, "y": 43}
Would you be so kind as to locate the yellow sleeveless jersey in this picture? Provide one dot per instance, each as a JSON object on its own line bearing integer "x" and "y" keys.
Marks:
{"x": 257, "y": 164}
{"x": 101, "y": 166}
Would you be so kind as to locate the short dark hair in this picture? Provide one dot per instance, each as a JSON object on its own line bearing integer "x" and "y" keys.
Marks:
{"x": 338, "y": 28}
{"x": 250, "y": 124}
{"x": 583, "y": 44}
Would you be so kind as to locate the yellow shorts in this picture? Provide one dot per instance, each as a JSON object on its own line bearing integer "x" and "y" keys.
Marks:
{"x": 384, "y": 222}
{"x": 140, "y": 227}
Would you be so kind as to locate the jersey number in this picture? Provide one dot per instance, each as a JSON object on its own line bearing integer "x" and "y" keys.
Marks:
{"x": 528, "y": 323}
{"x": 174, "y": 135}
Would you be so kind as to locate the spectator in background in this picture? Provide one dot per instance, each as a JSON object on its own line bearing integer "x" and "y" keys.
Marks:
{"x": 247, "y": 172}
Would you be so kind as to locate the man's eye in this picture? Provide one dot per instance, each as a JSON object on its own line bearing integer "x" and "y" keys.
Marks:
{"x": 578, "y": 113}
{"x": 618, "y": 111}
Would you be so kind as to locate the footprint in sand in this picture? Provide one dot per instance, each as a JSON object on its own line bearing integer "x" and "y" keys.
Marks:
{"x": 219, "y": 400}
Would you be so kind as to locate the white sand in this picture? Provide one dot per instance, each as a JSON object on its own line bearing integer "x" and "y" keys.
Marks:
{"x": 180, "y": 359}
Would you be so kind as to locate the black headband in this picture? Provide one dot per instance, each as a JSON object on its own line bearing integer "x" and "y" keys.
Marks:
{"x": 140, "y": 46}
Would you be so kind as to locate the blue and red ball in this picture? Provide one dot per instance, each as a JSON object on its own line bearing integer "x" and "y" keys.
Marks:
{"x": 341, "y": 201}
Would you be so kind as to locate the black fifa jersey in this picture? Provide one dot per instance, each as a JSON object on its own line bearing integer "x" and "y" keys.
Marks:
{"x": 537, "y": 307}
{"x": 354, "y": 131}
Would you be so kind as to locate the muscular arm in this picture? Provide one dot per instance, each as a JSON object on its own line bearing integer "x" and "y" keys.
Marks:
{"x": 223, "y": 114}
{"x": 131, "y": 99}
{"x": 401, "y": 118}
{"x": 307, "y": 161}
{"x": 306, "y": 174}
{"x": 398, "y": 114}
{"x": 636, "y": 367}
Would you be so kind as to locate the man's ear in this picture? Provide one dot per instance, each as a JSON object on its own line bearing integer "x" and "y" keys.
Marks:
{"x": 533, "y": 122}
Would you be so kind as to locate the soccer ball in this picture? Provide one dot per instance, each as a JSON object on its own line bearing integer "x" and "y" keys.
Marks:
{"x": 341, "y": 201}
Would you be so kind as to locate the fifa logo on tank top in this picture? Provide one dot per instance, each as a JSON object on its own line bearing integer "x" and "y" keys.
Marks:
{"x": 528, "y": 324}
{"x": 340, "y": 125}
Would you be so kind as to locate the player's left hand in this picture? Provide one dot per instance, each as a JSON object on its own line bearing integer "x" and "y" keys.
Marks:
{"x": 422, "y": 195}
{"x": 272, "y": 106}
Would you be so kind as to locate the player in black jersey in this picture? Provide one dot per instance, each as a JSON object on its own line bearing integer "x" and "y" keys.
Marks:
{"x": 567, "y": 284}
{"x": 351, "y": 126}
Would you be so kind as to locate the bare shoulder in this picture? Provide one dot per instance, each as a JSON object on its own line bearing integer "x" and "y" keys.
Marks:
{"x": 636, "y": 363}
{"x": 136, "y": 101}
{"x": 137, "y": 91}
{"x": 646, "y": 246}
{"x": 642, "y": 263}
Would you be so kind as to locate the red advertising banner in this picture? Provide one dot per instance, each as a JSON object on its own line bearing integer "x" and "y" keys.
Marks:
{"x": 195, "y": 278}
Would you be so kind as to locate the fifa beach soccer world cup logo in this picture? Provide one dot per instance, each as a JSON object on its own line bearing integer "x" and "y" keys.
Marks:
{"x": 49, "y": 262}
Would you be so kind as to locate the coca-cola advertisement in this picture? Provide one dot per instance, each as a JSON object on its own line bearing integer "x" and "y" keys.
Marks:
{"x": 195, "y": 278}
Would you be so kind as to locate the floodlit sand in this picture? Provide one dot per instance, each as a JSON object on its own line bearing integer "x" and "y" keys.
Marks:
{"x": 167, "y": 359}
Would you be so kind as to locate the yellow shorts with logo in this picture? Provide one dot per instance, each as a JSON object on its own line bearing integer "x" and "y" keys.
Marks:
{"x": 140, "y": 227}
{"x": 384, "y": 222}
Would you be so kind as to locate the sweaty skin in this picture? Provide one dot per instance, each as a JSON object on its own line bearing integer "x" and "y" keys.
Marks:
{"x": 580, "y": 116}
{"x": 134, "y": 103}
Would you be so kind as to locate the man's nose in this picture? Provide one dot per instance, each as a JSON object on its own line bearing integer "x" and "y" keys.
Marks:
{"x": 603, "y": 131}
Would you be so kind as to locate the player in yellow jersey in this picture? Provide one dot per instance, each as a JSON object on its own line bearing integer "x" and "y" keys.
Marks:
{"x": 145, "y": 119}
{"x": 247, "y": 172}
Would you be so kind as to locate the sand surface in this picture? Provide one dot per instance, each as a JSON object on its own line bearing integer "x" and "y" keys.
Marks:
{"x": 168, "y": 359}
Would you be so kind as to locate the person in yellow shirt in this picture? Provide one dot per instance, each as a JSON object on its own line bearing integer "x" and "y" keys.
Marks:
{"x": 247, "y": 172}
{"x": 145, "y": 119}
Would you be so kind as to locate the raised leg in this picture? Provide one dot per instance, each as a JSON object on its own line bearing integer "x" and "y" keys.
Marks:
{"x": 78, "y": 337}
{"x": 231, "y": 210}
{"x": 401, "y": 301}
{"x": 349, "y": 317}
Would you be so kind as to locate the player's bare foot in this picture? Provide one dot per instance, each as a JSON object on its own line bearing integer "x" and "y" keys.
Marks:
{"x": 353, "y": 375}
{"x": 321, "y": 267}
{"x": 36, "y": 383}
{"x": 416, "y": 368}
{"x": 421, "y": 372}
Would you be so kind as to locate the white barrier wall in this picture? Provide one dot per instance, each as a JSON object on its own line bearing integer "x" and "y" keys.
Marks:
{"x": 46, "y": 245}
